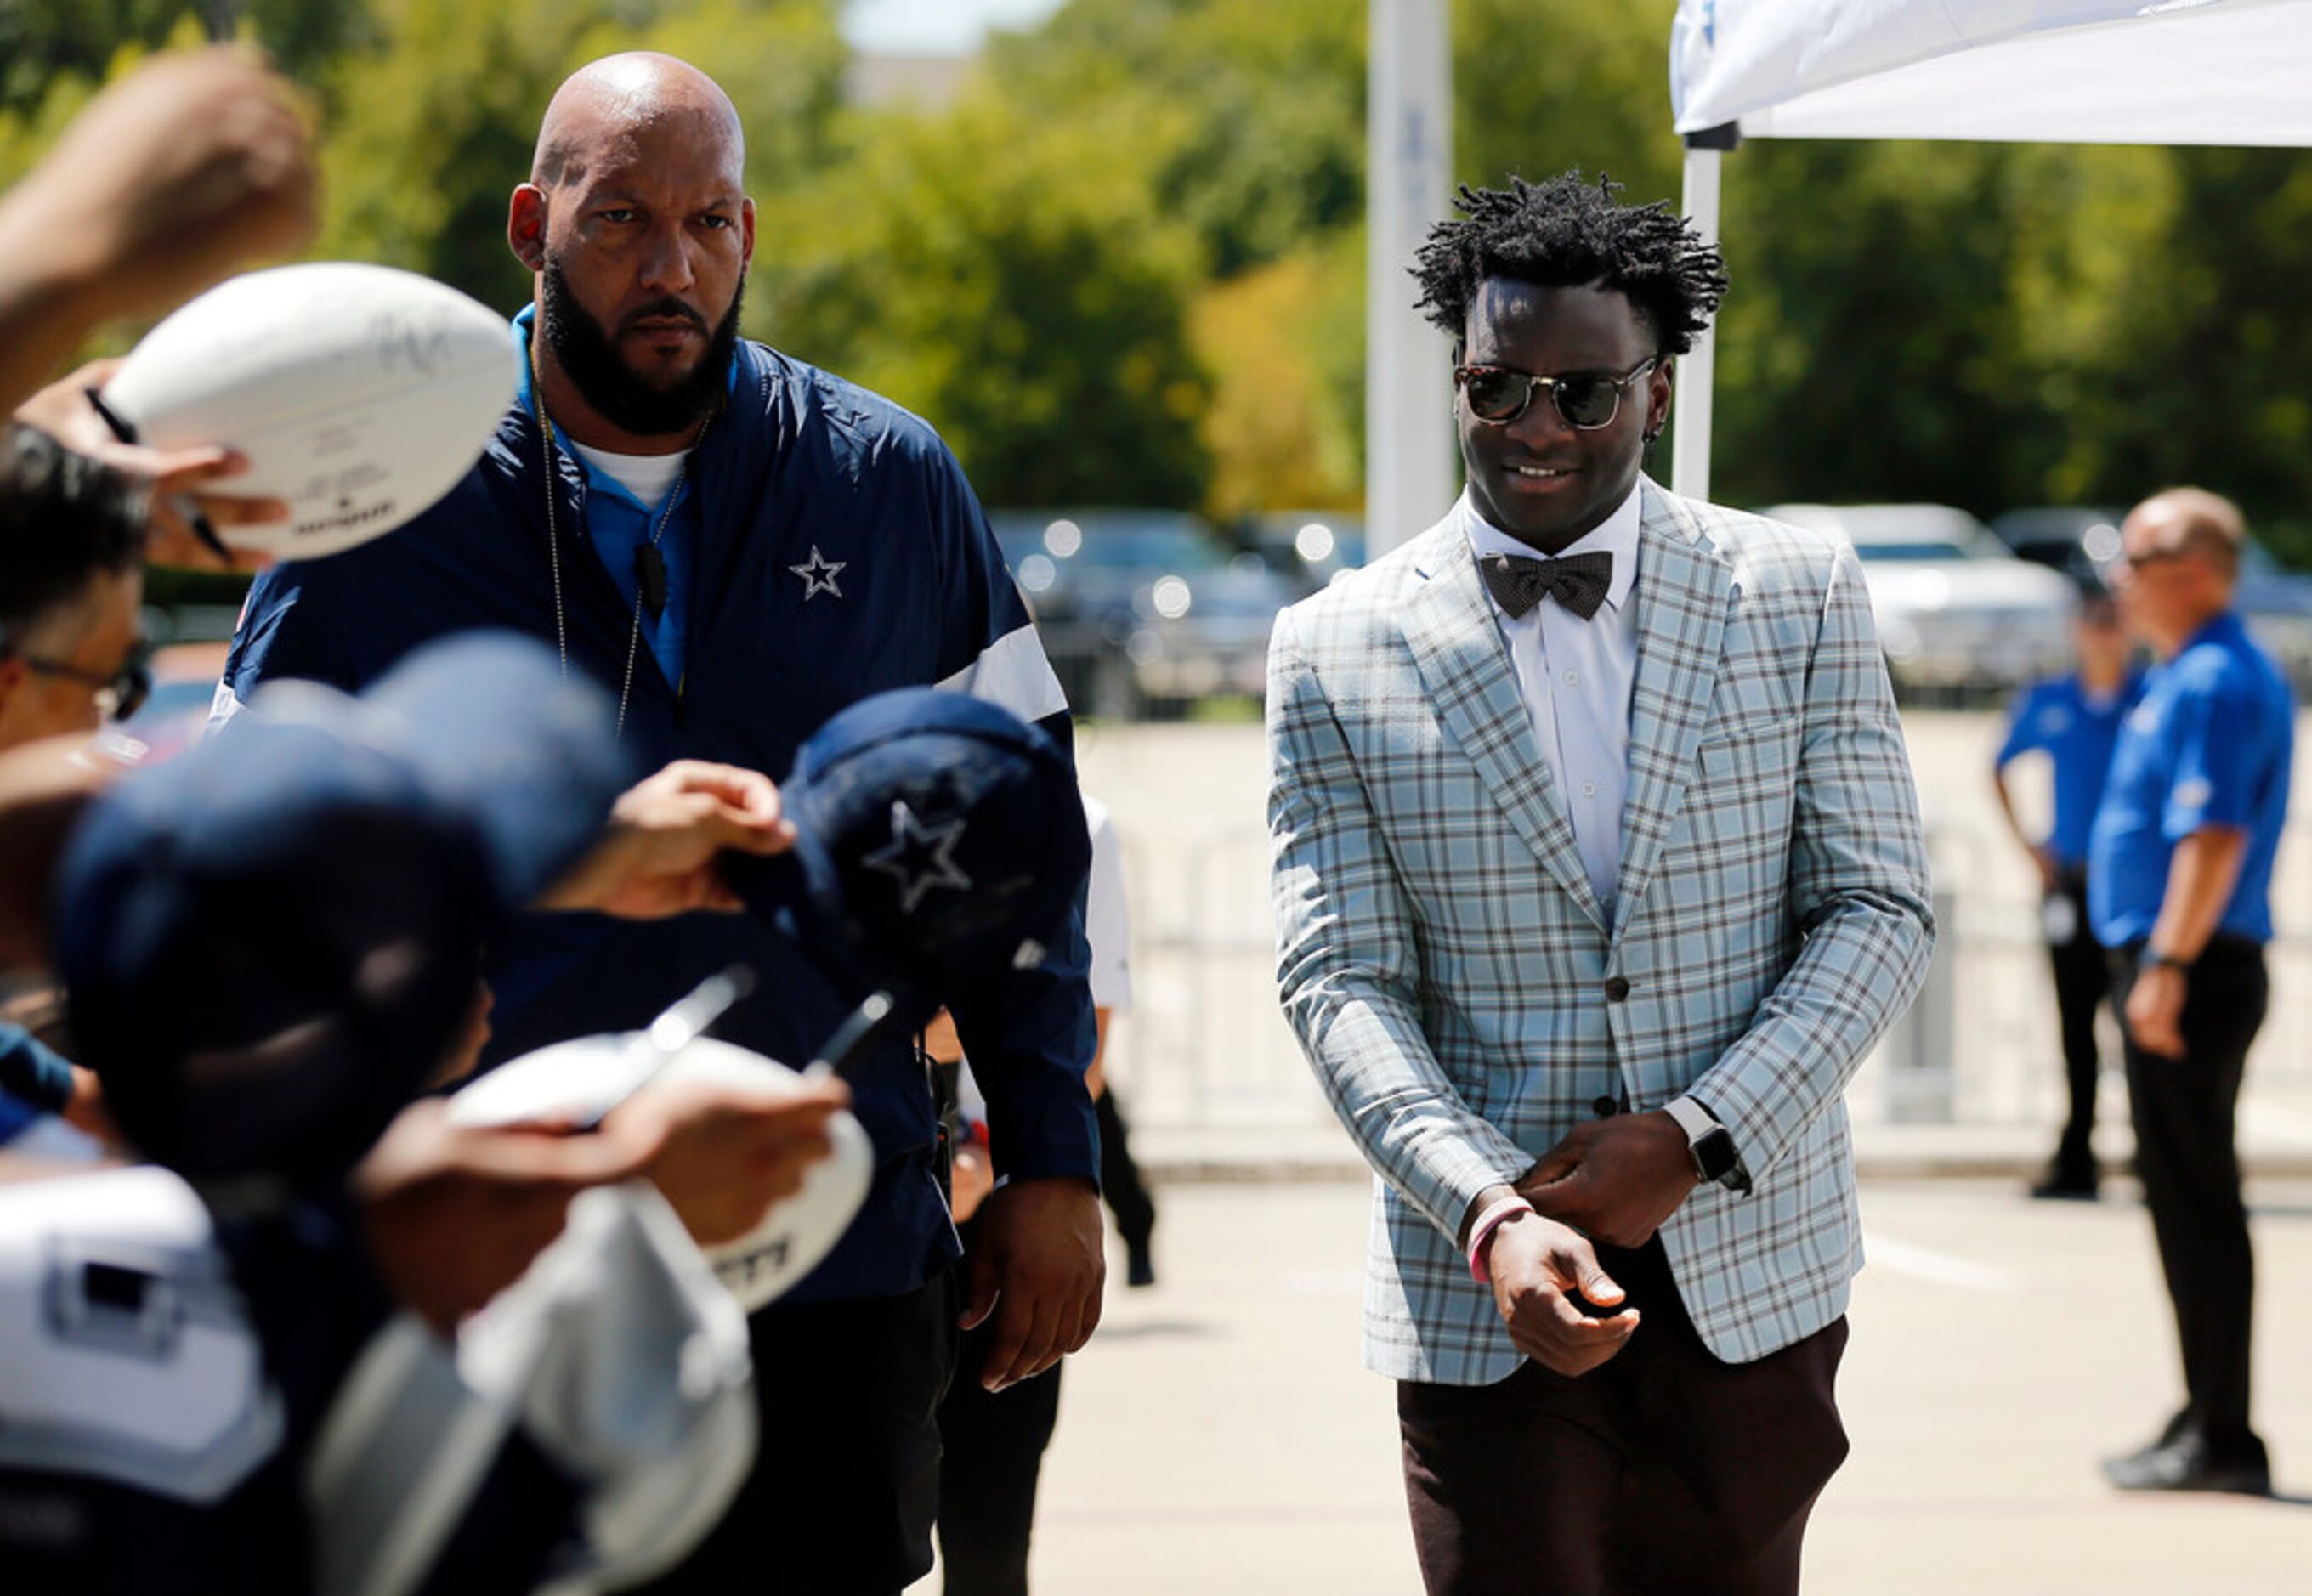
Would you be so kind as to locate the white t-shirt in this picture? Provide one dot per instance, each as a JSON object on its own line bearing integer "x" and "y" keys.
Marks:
{"x": 1108, "y": 928}
{"x": 648, "y": 477}
{"x": 1107, "y": 917}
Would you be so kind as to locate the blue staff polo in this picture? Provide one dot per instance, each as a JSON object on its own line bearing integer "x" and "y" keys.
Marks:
{"x": 2076, "y": 731}
{"x": 2208, "y": 745}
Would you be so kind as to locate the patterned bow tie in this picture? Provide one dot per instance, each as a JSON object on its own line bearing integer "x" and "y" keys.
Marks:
{"x": 1577, "y": 581}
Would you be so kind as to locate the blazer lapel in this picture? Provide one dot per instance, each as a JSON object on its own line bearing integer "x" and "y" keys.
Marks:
{"x": 1449, "y": 625}
{"x": 1682, "y": 593}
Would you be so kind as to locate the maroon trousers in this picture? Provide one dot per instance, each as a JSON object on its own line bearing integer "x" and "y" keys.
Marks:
{"x": 1663, "y": 1471}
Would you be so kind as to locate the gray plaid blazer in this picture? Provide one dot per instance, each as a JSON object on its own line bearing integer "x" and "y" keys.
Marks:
{"x": 1445, "y": 961}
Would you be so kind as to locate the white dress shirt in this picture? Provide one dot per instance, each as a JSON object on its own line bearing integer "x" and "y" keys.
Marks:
{"x": 1575, "y": 676}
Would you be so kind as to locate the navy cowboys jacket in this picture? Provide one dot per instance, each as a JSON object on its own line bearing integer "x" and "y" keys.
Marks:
{"x": 841, "y": 553}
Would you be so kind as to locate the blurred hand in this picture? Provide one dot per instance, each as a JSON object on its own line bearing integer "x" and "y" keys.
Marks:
{"x": 454, "y": 1214}
{"x": 657, "y": 859}
{"x": 1538, "y": 1267}
{"x": 464, "y": 1055}
{"x": 970, "y": 1179}
{"x": 2155, "y": 1010}
{"x": 171, "y": 177}
{"x": 1615, "y": 1179}
{"x": 939, "y": 1040}
{"x": 1038, "y": 1265}
{"x": 84, "y": 1110}
{"x": 726, "y": 1154}
{"x": 178, "y": 476}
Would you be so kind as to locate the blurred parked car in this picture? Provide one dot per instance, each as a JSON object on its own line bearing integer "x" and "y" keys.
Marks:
{"x": 1308, "y": 548}
{"x": 1954, "y": 608}
{"x": 2083, "y": 540}
{"x": 2078, "y": 540}
{"x": 1154, "y": 589}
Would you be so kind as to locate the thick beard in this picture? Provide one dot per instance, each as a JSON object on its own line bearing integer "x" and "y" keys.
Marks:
{"x": 602, "y": 378}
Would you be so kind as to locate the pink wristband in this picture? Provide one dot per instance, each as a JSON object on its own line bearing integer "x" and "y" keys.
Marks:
{"x": 1482, "y": 1232}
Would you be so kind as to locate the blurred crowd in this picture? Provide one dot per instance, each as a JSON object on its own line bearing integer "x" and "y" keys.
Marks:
{"x": 377, "y": 1212}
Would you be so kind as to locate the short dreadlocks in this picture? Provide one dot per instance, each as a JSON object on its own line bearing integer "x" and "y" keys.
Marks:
{"x": 1568, "y": 232}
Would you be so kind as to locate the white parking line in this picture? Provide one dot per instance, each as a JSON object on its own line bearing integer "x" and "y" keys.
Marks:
{"x": 1941, "y": 1269}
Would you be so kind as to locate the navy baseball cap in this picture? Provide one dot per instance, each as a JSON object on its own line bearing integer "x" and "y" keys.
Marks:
{"x": 939, "y": 839}
{"x": 271, "y": 941}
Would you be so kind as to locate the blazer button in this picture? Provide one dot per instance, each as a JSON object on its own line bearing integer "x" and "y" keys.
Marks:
{"x": 1617, "y": 987}
{"x": 1605, "y": 1108}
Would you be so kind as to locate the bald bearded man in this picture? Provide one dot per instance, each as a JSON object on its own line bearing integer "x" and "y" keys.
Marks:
{"x": 738, "y": 545}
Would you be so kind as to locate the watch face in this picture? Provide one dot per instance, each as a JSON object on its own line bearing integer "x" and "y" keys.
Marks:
{"x": 1714, "y": 1153}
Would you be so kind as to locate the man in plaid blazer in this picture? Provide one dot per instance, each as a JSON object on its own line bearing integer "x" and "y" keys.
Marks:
{"x": 1598, "y": 870}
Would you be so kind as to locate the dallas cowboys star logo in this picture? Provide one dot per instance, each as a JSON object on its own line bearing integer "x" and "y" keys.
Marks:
{"x": 919, "y": 857}
{"x": 819, "y": 574}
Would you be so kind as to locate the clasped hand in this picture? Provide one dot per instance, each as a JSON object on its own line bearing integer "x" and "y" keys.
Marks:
{"x": 1614, "y": 1179}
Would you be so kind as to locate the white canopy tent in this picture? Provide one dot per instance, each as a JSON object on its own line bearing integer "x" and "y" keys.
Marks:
{"x": 2183, "y": 72}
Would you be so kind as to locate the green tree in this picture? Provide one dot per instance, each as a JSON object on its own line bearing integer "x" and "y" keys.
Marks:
{"x": 1582, "y": 83}
{"x": 1011, "y": 278}
{"x": 43, "y": 40}
{"x": 1248, "y": 113}
{"x": 435, "y": 128}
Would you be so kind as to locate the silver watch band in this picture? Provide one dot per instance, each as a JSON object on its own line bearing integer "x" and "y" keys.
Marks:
{"x": 1692, "y": 1118}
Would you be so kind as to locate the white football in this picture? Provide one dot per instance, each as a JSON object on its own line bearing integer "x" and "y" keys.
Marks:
{"x": 579, "y": 1078}
{"x": 360, "y": 394}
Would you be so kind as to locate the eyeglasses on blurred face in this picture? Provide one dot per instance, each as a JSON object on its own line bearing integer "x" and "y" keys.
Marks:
{"x": 120, "y": 694}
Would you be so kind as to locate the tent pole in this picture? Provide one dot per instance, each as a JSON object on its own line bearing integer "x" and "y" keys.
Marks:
{"x": 1689, "y": 465}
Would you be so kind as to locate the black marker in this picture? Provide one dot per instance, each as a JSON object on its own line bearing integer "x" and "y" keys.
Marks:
{"x": 126, "y": 433}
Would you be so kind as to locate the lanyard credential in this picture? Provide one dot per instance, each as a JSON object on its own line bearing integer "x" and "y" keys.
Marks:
{"x": 649, "y": 564}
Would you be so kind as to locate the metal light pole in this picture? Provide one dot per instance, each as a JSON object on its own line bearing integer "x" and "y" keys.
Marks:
{"x": 1411, "y": 470}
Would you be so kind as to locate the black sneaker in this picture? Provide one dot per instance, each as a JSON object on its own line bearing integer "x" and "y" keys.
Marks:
{"x": 2066, "y": 1185}
{"x": 2184, "y": 1465}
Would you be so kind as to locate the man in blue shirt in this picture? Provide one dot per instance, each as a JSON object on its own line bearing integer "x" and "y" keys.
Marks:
{"x": 738, "y": 545}
{"x": 2074, "y": 720}
{"x": 2179, "y": 888}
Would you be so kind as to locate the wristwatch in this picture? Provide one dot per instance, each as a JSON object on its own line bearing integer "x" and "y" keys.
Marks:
{"x": 2152, "y": 958}
{"x": 1716, "y": 1159}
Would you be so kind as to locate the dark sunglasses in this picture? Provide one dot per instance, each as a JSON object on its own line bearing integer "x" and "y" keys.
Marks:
{"x": 1588, "y": 400}
{"x": 118, "y": 696}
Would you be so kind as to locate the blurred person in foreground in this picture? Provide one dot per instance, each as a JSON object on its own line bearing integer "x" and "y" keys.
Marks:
{"x": 72, "y": 541}
{"x": 2179, "y": 870}
{"x": 1597, "y": 871}
{"x": 196, "y": 162}
{"x": 737, "y": 545}
{"x": 245, "y": 1371}
{"x": 2074, "y": 720}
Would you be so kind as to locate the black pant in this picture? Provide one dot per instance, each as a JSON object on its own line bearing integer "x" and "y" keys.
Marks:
{"x": 2183, "y": 1110}
{"x": 2082, "y": 973}
{"x": 1120, "y": 1181}
{"x": 1664, "y": 1470}
{"x": 993, "y": 1457}
{"x": 846, "y": 1482}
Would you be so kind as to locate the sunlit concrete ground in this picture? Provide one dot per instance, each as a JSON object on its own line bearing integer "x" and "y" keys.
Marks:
{"x": 1218, "y": 1436}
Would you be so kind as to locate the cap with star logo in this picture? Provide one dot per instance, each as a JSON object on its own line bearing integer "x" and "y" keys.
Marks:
{"x": 940, "y": 838}
{"x": 270, "y": 941}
